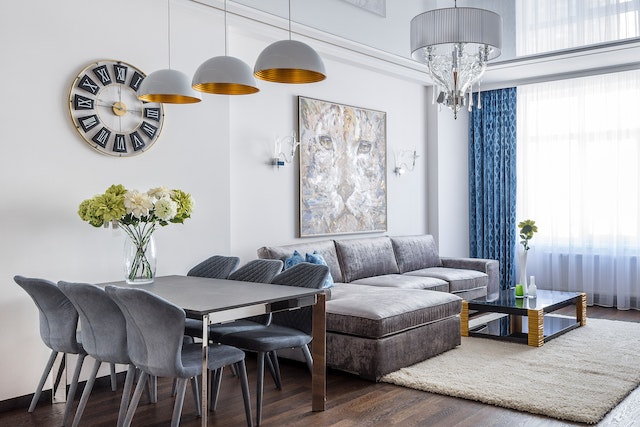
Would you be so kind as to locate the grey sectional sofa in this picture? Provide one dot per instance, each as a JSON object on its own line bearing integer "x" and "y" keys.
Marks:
{"x": 395, "y": 301}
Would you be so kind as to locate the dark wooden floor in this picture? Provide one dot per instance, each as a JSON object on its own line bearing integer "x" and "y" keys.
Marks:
{"x": 351, "y": 402}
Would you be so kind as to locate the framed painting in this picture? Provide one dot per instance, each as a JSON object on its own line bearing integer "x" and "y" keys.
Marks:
{"x": 343, "y": 168}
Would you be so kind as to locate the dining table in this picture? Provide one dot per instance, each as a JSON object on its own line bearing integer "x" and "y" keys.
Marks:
{"x": 222, "y": 300}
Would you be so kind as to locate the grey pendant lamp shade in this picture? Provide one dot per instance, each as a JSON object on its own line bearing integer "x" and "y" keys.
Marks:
{"x": 289, "y": 61}
{"x": 168, "y": 86}
{"x": 224, "y": 75}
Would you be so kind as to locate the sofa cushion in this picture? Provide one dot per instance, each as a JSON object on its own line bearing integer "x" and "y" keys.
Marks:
{"x": 316, "y": 258}
{"x": 294, "y": 259}
{"x": 459, "y": 280}
{"x": 375, "y": 312}
{"x": 366, "y": 257}
{"x": 415, "y": 252}
{"x": 404, "y": 281}
{"x": 325, "y": 248}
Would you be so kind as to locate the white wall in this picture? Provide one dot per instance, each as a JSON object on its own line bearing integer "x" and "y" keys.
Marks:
{"x": 447, "y": 179}
{"x": 217, "y": 150}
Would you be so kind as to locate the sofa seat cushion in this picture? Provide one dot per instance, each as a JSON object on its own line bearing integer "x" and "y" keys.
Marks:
{"x": 326, "y": 248}
{"x": 459, "y": 280}
{"x": 404, "y": 281}
{"x": 366, "y": 257}
{"x": 416, "y": 252}
{"x": 376, "y": 312}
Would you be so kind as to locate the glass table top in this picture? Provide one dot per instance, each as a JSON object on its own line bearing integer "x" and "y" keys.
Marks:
{"x": 543, "y": 300}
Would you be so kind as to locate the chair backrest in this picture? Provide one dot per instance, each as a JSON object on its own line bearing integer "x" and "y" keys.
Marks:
{"x": 258, "y": 270}
{"x": 305, "y": 275}
{"x": 58, "y": 316}
{"x": 155, "y": 329}
{"x": 102, "y": 325}
{"x": 216, "y": 267}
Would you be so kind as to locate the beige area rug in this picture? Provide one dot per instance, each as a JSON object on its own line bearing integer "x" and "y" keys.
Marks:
{"x": 579, "y": 376}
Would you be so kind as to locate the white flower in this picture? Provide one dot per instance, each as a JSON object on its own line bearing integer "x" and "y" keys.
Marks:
{"x": 160, "y": 192}
{"x": 137, "y": 203}
{"x": 166, "y": 209}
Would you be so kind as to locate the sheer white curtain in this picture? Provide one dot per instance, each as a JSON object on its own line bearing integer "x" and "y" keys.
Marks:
{"x": 578, "y": 178}
{"x": 548, "y": 25}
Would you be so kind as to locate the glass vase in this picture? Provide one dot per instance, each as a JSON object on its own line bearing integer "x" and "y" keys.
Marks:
{"x": 139, "y": 256}
{"x": 522, "y": 262}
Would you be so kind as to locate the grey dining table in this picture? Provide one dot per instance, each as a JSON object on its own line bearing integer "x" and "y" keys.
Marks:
{"x": 220, "y": 300}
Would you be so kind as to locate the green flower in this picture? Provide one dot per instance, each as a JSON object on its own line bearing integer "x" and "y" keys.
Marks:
{"x": 185, "y": 206}
{"x": 87, "y": 213}
{"x": 117, "y": 190}
{"x": 527, "y": 229}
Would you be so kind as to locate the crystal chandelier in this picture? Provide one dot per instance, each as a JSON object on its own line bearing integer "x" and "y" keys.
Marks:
{"x": 456, "y": 44}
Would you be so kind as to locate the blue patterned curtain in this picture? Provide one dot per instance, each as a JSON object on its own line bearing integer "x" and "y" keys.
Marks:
{"x": 492, "y": 181}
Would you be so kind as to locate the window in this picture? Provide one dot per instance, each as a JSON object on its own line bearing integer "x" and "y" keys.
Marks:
{"x": 578, "y": 159}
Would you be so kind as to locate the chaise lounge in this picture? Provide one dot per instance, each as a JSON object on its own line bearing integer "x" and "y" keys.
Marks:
{"x": 395, "y": 301}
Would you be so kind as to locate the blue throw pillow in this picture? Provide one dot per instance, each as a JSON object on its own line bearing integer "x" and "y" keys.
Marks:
{"x": 294, "y": 259}
{"x": 316, "y": 258}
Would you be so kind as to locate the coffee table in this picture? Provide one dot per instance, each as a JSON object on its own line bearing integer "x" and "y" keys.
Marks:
{"x": 524, "y": 320}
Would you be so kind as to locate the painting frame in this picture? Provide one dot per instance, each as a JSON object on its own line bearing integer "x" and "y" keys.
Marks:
{"x": 342, "y": 168}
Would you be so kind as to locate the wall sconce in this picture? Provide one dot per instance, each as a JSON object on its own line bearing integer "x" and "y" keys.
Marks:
{"x": 405, "y": 160}
{"x": 279, "y": 155}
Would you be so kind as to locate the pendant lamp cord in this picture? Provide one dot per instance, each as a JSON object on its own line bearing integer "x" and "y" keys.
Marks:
{"x": 226, "y": 40}
{"x": 169, "y": 30}
{"x": 289, "y": 19}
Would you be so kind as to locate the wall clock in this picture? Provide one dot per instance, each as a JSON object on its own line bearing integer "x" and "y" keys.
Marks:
{"x": 107, "y": 112}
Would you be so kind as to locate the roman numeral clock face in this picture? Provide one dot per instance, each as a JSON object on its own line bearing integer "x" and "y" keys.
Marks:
{"x": 107, "y": 112}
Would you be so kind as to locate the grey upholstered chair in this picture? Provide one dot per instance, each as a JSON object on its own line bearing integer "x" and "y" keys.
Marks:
{"x": 215, "y": 267}
{"x": 58, "y": 326}
{"x": 155, "y": 329}
{"x": 104, "y": 338}
{"x": 288, "y": 329}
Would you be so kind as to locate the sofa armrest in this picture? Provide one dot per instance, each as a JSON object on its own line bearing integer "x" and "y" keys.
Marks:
{"x": 489, "y": 266}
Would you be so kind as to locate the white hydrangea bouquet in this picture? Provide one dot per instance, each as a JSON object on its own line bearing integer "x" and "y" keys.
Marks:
{"x": 138, "y": 214}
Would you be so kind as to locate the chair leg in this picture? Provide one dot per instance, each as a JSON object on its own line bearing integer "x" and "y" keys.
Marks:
{"x": 114, "y": 379}
{"x": 215, "y": 389}
{"x": 308, "y": 358}
{"x": 72, "y": 388}
{"x": 242, "y": 371}
{"x": 126, "y": 392}
{"x": 61, "y": 368}
{"x": 133, "y": 405}
{"x": 43, "y": 379}
{"x": 152, "y": 389}
{"x": 177, "y": 406}
{"x": 260, "y": 387}
{"x": 85, "y": 394}
{"x": 196, "y": 394}
{"x": 272, "y": 356}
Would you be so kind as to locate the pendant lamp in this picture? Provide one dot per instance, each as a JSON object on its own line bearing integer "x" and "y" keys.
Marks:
{"x": 224, "y": 75}
{"x": 168, "y": 86}
{"x": 289, "y": 61}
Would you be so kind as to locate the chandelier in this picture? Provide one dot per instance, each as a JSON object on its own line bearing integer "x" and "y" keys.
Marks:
{"x": 456, "y": 44}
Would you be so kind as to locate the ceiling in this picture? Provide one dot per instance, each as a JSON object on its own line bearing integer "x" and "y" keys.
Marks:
{"x": 383, "y": 26}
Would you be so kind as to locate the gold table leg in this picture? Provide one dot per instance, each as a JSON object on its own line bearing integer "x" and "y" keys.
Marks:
{"x": 464, "y": 319}
{"x": 536, "y": 327}
{"x": 581, "y": 310}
